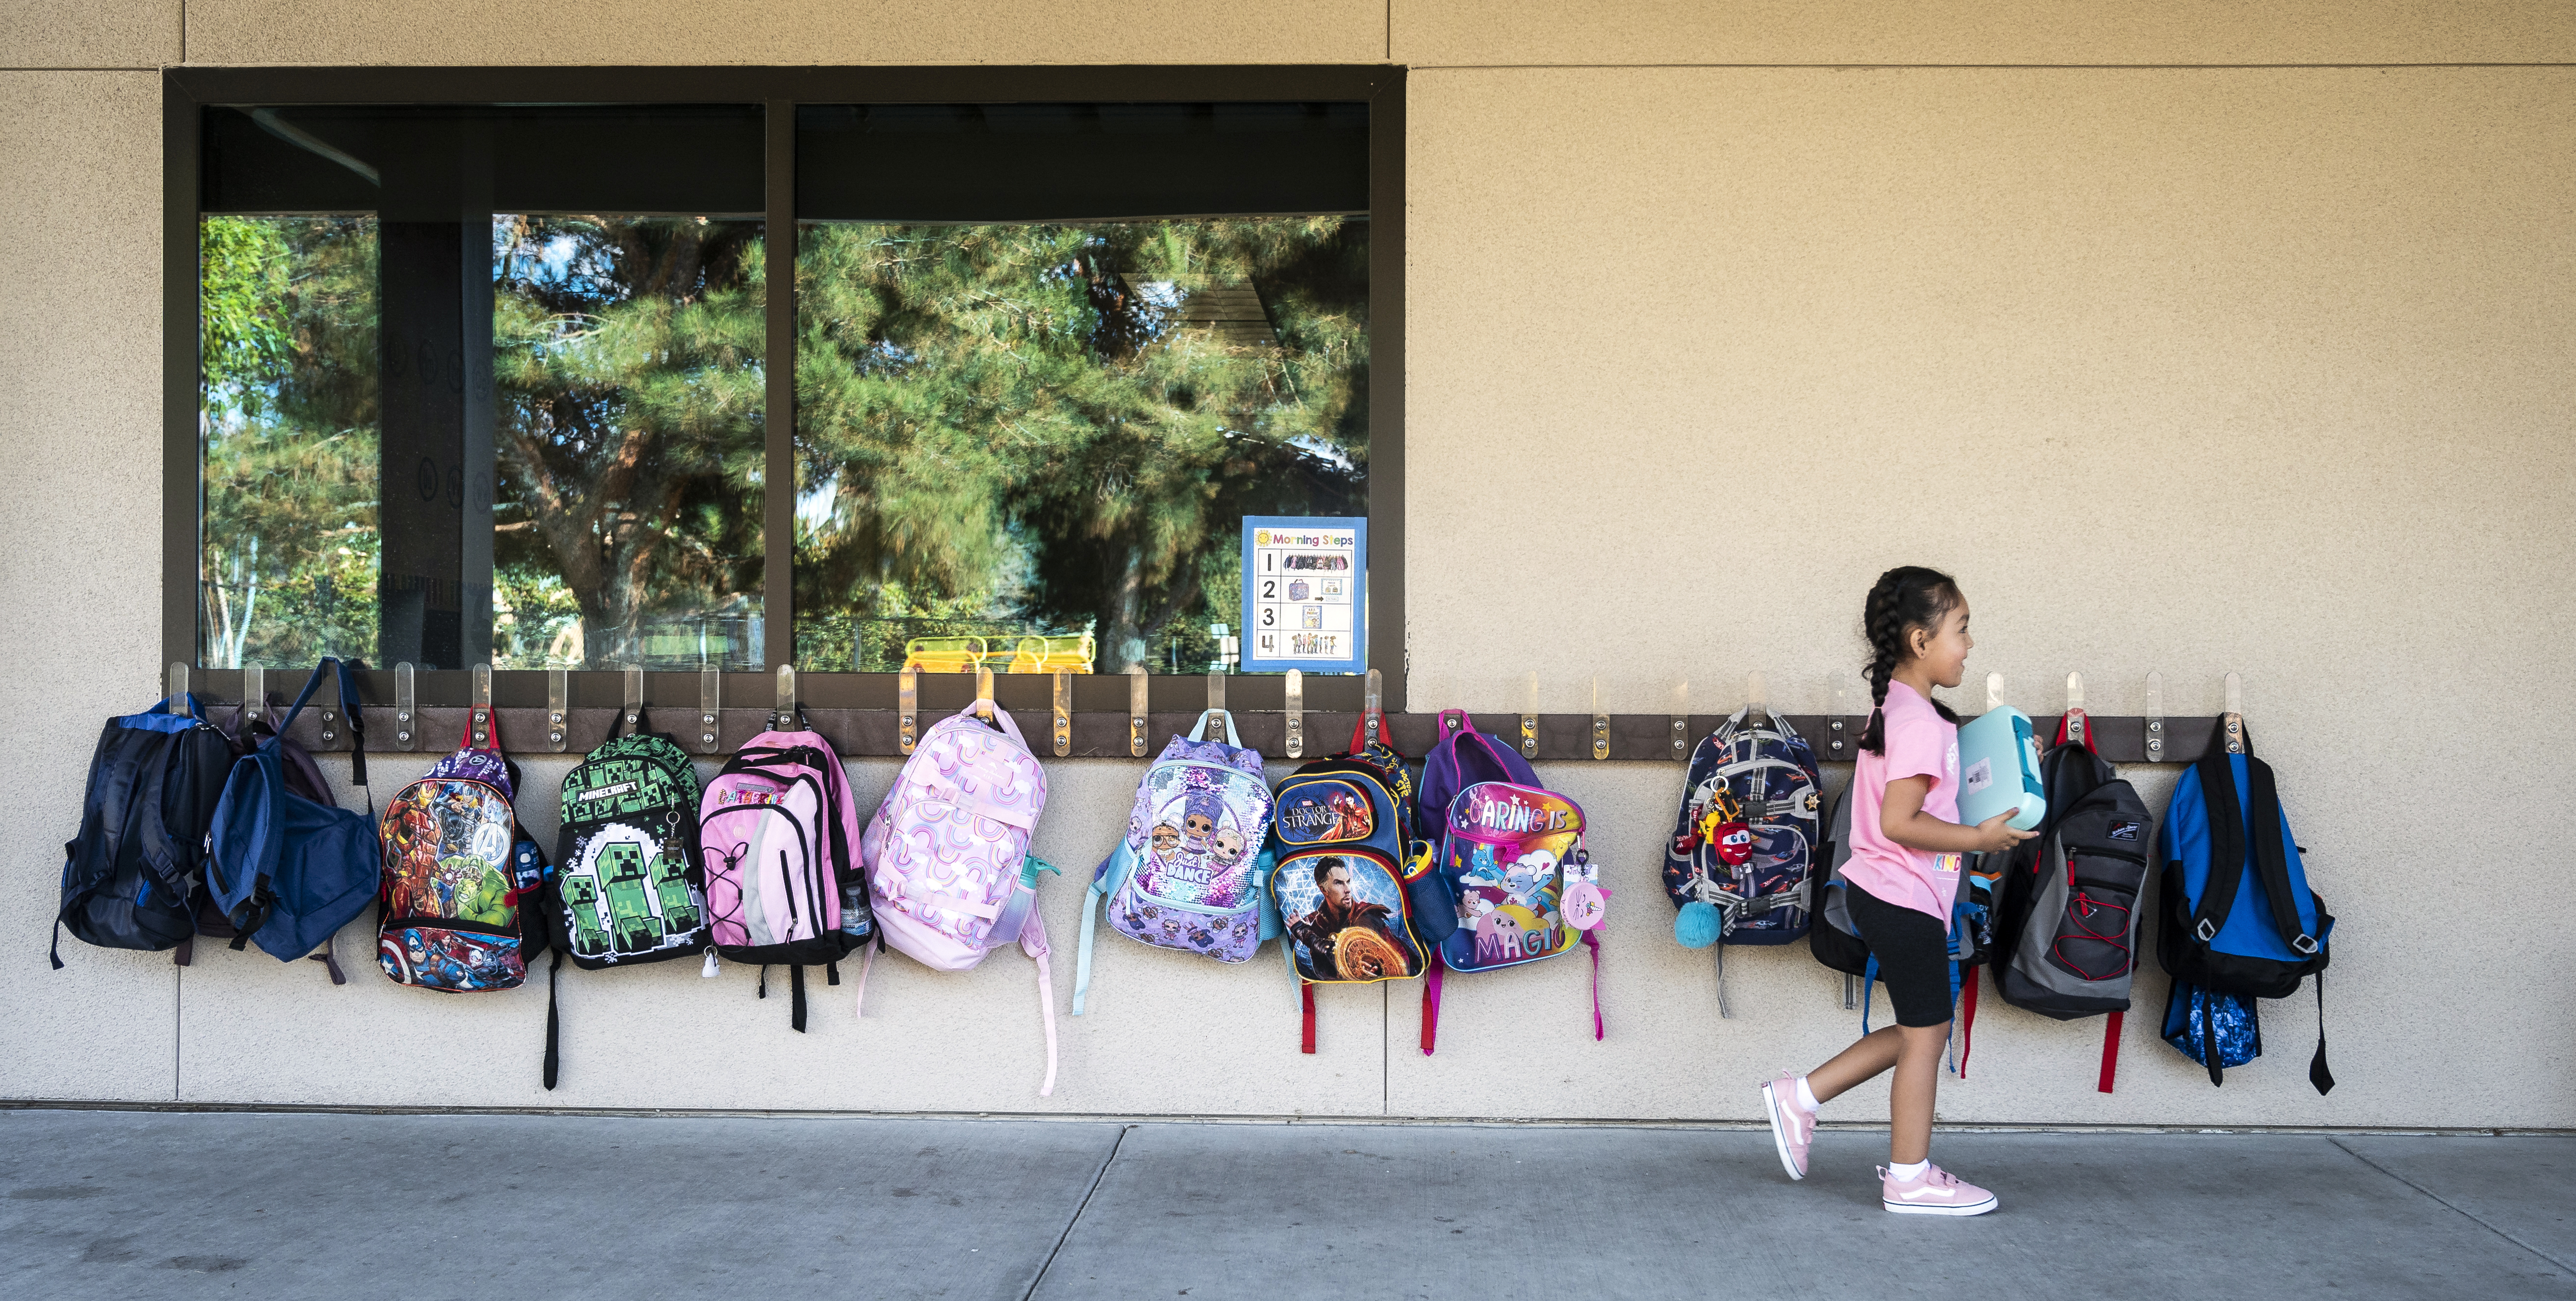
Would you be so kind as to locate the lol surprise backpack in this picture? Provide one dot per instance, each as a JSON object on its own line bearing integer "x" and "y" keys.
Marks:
{"x": 1338, "y": 884}
{"x": 1191, "y": 872}
{"x": 947, "y": 858}
{"x": 778, "y": 842}
{"x": 1743, "y": 849}
{"x": 1512, "y": 881}
{"x": 456, "y": 871}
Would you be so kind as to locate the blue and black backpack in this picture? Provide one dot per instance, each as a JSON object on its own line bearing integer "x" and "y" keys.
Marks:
{"x": 1741, "y": 864}
{"x": 128, "y": 872}
{"x": 2239, "y": 916}
{"x": 286, "y": 870}
{"x": 1339, "y": 886}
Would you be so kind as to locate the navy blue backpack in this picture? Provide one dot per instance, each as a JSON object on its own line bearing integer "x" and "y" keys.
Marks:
{"x": 153, "y": 783}
{"x": 2239, "y": 916}
{"x": 288, "y": 872}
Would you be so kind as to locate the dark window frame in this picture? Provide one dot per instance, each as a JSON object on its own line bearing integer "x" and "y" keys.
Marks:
{"x": 187, "y": 91}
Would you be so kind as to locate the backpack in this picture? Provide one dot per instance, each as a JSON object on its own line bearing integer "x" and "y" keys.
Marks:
{"x": 1191, "y": 873}
{"x": 1462, "y": 757}
{"x": 2239, "y": 916}
{"x": 1515, "y": 885}
{"x": 626, "y": 889}
{"x": 287, "y": 871}
{"x": 303, "y": 778}
{"x": 456, "y": 868}
{"x": 1338, "y": 881}
{"x": 949, "y": 872}
{"x": 2068, "y": 937}
{"x": 778, "y": 843}
{"x": 1744, "y": 844}
{"x": 154, "y": 780}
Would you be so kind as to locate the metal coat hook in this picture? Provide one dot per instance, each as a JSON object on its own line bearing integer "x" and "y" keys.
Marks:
{"x": 1757, "y": 697}
{"x": 907, "y": 694}
{"x": 983, "y": 693}
{"x": 558, "y": 709}
{"x": 1994, "y": 691}
{"x": 1838, "y": 734}
{"x": 634, "y": 694}
{"x": 1681, "y": 721}
{"x": 2155, "y": 718}
{"x": 406, "y": 712}
{"x": 177, "y": 678}
{"x": 331, "y": 715}
{"x": 710, "y": 706}
{"x": 1373, "y": 706}
{"x": 1600, "y": 724}
{"x": 1063, "y": 713}
{"x": 2233, "y": 721}
{"x": 481, "y": 715}
{"x": 1135, "y": 711}
{"x": 2075, "y": 708}
{"x": 1216, "y": 692}
{"x": 1529, "y": 721}
{"x": 254, "y": 692}
{"x": 783, "y": 715}
{"x": 1294, "y": 700}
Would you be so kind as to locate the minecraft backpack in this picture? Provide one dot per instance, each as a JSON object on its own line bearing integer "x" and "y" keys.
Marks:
{"x": 778, "y": 842}
{"x": 456, "y": 872}
{"x": 1338, "y": 884}
{"x": 1511, "y": 883}
{"x": 1191, "y": 873}
{"x": 947, "y": 856}
{"x": 1743, "y": 848}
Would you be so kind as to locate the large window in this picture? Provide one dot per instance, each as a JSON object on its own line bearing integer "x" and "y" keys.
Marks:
{"x": 492, "y": 383}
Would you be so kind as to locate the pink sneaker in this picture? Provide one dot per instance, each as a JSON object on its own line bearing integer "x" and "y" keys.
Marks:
{"x": 1792, "y": 1127}
{"x": 1938, "y": 1192}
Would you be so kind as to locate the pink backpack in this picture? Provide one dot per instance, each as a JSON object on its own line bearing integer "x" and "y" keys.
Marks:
{"x": 778, "y": 838}
{"x": 948, "y": 864}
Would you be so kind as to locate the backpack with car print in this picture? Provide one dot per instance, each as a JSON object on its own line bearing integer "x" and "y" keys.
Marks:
{"x": 456, "y": 870}
{"x": 1741, "y": 863}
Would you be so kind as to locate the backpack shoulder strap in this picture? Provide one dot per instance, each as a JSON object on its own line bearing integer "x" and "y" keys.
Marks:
{"x": 2271, "y": 860}
{"x": 2226, "y": 845}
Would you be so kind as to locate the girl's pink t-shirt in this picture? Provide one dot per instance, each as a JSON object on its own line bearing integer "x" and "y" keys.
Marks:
{"x": 1920, "y": 743}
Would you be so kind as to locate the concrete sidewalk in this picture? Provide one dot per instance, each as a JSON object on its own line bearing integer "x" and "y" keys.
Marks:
{"x": 285, "y": 1206}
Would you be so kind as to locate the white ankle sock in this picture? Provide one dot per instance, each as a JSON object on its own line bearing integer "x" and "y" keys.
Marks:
{"x": 1807, "y": 1096}
{"x": 1907, "y": 1173}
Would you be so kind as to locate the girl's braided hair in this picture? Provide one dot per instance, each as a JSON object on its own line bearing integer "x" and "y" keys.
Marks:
{"x": 1904, "y": 598}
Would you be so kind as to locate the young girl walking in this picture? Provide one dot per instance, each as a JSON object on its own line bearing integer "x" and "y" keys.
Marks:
{"x": 1906, "y": 852}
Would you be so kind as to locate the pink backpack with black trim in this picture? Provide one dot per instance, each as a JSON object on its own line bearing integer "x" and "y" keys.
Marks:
{"x": 778, "y": 838}
{"x": 947, "y": 855}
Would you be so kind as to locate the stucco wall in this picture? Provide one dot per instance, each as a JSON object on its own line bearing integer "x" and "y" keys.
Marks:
{"x": 2250, "y": 368}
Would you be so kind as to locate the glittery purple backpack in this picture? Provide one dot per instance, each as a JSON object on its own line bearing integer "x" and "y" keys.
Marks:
{"x": 1191, "y": 873}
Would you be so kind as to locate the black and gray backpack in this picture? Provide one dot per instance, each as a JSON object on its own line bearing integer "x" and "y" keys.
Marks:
{"x": 2069, "y": 935}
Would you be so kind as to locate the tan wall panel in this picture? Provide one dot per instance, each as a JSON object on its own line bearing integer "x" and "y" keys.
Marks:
{"x": 80, "y": 552}
{"x": 1432, "y": 33}
{"x": 2189, "y": 371}
{"x": 111, "y": 34}
{"x": 879, "y": 31}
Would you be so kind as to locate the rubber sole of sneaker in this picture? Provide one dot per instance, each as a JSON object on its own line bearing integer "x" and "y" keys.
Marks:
{"x": 1779, "y": 1138}
{"x": 1980, "y": 1208}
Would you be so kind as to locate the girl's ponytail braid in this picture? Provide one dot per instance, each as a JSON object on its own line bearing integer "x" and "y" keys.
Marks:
{"x": 1904, "y": 598}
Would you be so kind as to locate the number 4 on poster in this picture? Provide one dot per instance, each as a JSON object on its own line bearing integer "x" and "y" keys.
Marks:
{"x": 1305, "y": 594}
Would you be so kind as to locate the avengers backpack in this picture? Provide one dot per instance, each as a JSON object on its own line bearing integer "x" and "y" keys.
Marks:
{"x": 456, "y": 871}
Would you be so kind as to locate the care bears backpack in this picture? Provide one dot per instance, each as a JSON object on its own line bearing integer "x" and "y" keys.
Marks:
{"x": 950, "y": 876}
{"x": 778, "y": 842}
{"x": 1510, "y": 883}
{"x": 1191, "y": 873}
{"x": 1338, "y": 882}
{"x": 456, "y": 872}
{"x": 1740, "y": 863}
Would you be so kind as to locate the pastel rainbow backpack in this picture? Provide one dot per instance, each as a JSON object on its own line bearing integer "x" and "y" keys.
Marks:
{"x": 1511, "y": 868}
{"x": 947, "y": 856}
{"x": 1192, "y": 872}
